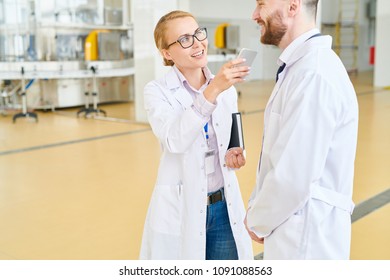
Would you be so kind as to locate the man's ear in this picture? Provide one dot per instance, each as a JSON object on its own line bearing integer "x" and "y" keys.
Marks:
{"x": 294, "y": 7}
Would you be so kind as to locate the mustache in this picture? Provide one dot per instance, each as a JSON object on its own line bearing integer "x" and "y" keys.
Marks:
{"x": 260, "y": 21}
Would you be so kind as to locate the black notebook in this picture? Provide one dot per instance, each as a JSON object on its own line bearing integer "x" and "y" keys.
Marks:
{"x": 236, "y": 135}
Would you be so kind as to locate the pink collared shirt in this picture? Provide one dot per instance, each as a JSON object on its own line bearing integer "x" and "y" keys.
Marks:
{"x": 204, "y": 109}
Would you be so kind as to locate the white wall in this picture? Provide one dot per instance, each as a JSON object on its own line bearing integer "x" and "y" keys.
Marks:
{"x": 382, "y": 45}
{"x": 221, "y": 9}
{"x": 330, "y": 10}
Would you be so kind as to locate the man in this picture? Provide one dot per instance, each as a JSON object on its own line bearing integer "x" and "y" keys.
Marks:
{"x": 302, "y": 202}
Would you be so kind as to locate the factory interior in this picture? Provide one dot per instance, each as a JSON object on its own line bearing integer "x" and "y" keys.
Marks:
{"x": 78, "y": 158}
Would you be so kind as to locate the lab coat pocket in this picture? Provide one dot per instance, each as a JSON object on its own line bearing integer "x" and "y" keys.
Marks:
{"x": 165, "y": 213}
{"x": 285, "y": 241}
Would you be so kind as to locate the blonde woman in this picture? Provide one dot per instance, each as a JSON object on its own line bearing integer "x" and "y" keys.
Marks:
{"x": 196, "y": 210}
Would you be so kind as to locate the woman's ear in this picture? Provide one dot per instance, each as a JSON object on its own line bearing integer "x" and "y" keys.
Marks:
{"x": 166, "y": 54}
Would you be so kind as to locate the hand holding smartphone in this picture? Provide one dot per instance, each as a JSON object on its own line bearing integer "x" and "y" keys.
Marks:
{"x": 228, "y": 76}
{"x": 249, "y": 56}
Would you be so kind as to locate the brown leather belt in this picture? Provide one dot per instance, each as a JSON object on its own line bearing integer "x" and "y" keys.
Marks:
{"x": 215, "y": 197}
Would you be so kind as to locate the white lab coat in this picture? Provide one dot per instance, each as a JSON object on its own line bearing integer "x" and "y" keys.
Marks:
{"x": 176, "y": 218}
{"x": 302, "y": 202}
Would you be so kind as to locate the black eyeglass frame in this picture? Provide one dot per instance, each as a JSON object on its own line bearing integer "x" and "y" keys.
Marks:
{"x": 192, "y": 36}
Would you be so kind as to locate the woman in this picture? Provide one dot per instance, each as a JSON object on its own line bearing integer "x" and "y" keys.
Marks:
{"x": 196, "y": 210}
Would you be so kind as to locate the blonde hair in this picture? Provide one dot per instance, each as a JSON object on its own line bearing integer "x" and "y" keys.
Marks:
{"x": 161, "y": 29}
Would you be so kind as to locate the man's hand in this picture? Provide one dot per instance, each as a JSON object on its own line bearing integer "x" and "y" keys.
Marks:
{"x": 253, "y": 236}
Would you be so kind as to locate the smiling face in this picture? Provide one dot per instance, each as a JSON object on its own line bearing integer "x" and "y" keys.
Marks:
{"x": 269, "y": 15}
{"x": 190, "y": 58}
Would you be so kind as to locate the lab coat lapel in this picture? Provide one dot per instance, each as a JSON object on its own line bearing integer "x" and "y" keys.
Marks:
{"x": 323, "y": 41}
{"x": 176, "y": 88}
{"x": 275, "y": 90}
{"x": 183, "y": 97}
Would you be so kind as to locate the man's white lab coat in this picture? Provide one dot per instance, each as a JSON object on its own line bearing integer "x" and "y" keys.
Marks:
{"x": 302, "y": 202}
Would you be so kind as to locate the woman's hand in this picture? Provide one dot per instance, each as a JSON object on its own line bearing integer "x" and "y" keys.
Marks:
{"x": 228, "y": 75}
{"x": 234, "y": 158}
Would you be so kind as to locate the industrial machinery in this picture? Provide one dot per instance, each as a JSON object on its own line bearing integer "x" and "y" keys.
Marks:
{"x": 56, "y": 42}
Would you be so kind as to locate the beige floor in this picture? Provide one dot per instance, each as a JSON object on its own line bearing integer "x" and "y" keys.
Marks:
{"x": 75, "y": 188}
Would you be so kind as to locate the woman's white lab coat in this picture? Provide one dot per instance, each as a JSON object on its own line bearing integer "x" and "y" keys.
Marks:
{"x": 176, "y": 218}
{"x": 302, "y": 202}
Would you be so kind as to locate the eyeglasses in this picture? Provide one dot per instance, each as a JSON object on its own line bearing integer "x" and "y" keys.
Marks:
{"x": 186, "y": 41}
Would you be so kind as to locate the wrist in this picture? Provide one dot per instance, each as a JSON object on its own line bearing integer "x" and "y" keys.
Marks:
{"x": 210, "y": 93}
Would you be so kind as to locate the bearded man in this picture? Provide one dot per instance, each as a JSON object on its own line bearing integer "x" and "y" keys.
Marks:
{"x": 301, "y": 205}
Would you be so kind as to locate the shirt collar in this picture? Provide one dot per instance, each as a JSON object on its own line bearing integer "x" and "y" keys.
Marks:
{"x": 206, "y": 71}
{"x": 179, "y": 75}
{"x": 294, "y": 45}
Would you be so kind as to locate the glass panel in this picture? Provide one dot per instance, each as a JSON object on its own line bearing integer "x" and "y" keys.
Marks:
{"x": 1, "y": 12}
{"x": 113, "y": 12}
{"x": 57, "y": 29}
{"x": 47, "y": 10}
{"x": 88, "y": 11}
{"x": 72, "y": 11}
{"x": 15, "y": 20}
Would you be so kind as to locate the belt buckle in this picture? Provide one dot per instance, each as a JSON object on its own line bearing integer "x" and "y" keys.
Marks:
{"x": 208, "y": 200}
{"x": 215, "y": 197}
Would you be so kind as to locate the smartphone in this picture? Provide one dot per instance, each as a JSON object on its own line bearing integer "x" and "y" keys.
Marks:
{"x": 248, "y": 54}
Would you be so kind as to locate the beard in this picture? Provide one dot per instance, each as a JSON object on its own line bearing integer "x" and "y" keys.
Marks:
{"x": 274, "y": 29}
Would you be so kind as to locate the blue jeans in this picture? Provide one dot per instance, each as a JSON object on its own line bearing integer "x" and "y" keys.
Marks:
{"x": 220, "y": 244}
